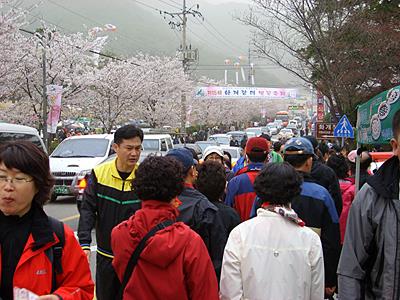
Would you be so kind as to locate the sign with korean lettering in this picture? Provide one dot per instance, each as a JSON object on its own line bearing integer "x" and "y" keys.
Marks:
{"x": 325, "y": 130}
{"x": 245, "y": 92}
{"x": 320, "y": 107}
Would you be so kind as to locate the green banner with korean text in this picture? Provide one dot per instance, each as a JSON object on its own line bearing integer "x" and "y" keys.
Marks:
{"x": 374, "y": 118}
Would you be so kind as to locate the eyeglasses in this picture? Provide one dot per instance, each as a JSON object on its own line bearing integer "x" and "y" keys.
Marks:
{"x": 17, "y": 181}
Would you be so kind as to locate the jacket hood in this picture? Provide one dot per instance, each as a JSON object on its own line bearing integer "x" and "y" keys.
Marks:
{"x": 386, "y": 180}
{"x": 345, "y": 185}
{"x": 164, "y": 247}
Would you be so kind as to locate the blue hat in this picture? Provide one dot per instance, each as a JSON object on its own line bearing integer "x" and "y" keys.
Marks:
{"x": 184, "y": 156}
{"x": 298, "y": 145}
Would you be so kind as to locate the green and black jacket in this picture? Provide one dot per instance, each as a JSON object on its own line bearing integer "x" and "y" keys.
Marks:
{"x": 107, "y": 201}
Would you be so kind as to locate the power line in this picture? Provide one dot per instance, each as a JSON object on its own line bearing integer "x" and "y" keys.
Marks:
{"x": 93, "y": 21}
{"x": 169, "y": 4}
{"x": 91, "y": 51}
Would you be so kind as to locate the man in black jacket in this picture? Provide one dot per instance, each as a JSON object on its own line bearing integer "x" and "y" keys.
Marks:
{"x": 325, "y": 176}
{"x": 316, "y": 208}
{"x": 198, "y": 212}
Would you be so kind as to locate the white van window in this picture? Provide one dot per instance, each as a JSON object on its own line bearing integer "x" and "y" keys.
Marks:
{"x": 82, "y": 148}
{"x": 169, "y": 144}
{"x": 13, "y": 136}
{"x": 151, "y": 145}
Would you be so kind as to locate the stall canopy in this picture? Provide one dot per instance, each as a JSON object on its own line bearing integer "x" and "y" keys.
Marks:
{"x": 374, "y": 118}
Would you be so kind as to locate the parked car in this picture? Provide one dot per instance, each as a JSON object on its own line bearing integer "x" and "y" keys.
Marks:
{"x": 221, "y": 138}
{"x": 293, "y": 127}
{"x": 285, "y": 133}
{"x": 76, "y": 156}
{"x": 234, "y": 152}
{"x": 157, "y": 143}
{"x": 257, "y": 130}
{"x": 273, "y": 129}
{"x": 204, "y": 144}
{"x": 13, "y": 132}
{"x": 195, "y": 147}
{"x": 237, "y": 136}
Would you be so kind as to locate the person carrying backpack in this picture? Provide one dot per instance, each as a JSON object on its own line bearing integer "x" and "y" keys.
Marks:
{"x": 37, "y": 252}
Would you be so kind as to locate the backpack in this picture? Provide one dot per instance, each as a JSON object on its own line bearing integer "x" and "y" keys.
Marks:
{"x": 54, "y": 253}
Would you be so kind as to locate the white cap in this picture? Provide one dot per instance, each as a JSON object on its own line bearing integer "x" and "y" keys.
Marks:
{"x": 213, "y": 149}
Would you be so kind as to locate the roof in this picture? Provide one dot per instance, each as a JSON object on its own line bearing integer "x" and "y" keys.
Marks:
{"x": 92, "y": 136}
{"x": 8, "y": 127}
{"x": 156, "y": 136}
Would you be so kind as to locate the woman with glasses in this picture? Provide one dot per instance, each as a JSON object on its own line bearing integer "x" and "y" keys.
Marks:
{"x": 28, "y": 237}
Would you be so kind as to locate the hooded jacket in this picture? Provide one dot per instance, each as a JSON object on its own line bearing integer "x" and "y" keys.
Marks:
{"x": 173, "y": 265}
{"x": 369, "y": 265}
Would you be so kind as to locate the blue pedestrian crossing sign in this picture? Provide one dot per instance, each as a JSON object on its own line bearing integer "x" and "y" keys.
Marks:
{"x": 344, "y": 128}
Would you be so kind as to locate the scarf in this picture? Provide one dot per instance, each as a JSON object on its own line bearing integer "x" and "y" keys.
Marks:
{"x": 285, "y": 212}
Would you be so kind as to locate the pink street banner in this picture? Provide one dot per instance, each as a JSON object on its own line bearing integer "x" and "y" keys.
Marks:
{"x": 219, "y": 92}
{"x": 54, "y": 93}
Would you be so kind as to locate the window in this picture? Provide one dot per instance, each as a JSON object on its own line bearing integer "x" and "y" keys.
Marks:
{"x": 13, "y": 136}
{"x": 82, "y": 148}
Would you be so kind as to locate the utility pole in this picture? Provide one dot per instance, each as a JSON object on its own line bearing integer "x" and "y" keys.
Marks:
{"x": 44, "y": 95}
{"x": 184, "y": 61}
{"x": 186, "y": 54}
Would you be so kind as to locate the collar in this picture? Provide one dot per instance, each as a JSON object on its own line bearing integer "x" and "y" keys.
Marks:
{"x": 386, "y": 180}
{"x": 252, "y": 167}
{"x": 114, "y": 170}
{"x": 188, "y": 185}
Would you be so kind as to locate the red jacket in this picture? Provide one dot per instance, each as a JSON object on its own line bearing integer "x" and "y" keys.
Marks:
{"x": 175, "y": 263}
{"x": 347, "y": 188}
{"x": 34, "y": 270}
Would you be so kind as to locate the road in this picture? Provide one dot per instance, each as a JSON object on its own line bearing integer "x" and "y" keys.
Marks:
{"x": 65, "y": 210}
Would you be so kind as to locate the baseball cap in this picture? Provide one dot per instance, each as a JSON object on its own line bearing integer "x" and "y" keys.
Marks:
{"x": 257, "y": 145}
{"x": 312, "y": 140}
{"x": 184, "y": 156}
{"x": 298, "y": 145}
{"x": 213, "y": 149}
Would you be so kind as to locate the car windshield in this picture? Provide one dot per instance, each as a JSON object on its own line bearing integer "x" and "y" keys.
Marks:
{"x": 151, "y": 144}
{"x": 233, "y": 152}
{"x": 220, "y": 139}
{"x": 204, "y": 145}
{"x": 255, "y": 130}
{"x": 13, "y": 136}
{"x": 82, "y": 148}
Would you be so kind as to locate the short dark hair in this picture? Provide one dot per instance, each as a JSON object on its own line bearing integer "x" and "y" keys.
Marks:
{"x": 277, "y": 146}
{"x": 296, "y": 160}
{"x": 338, "y": 164}
{"x": 31, "y": 160}
{"x": 323, "y": 148}
{"x": 396, "y": 124}
{"x": 278, "y": 183}
{"x": 257, "y": 157}
{"x": 127, "y": 132}
{"x": 195, "y": 156}
{"x": 158, "y": 178}
{"x": 211, "y": 180}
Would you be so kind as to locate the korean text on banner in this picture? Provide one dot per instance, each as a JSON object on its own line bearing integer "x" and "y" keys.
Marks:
{"x": 220, "y": 92}
{"x": 54, "y": 93}
{"x": 374, "y": 118}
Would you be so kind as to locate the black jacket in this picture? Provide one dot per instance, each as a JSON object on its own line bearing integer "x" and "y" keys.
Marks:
{"x": 204, "y": 218}
{"x": 316, "y": 208}
{"x": 229, "y": 216}
{"x": 325, "y": 176}
{"x": 107, "y": 201}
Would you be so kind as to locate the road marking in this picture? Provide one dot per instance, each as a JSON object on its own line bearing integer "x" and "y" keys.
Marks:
{"x": 70, "y": 218}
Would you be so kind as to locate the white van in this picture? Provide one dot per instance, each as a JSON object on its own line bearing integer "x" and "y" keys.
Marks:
{"x": 12, "y": 132}
{"x": 75, "y": 156}
{"x": 157, "y": 143}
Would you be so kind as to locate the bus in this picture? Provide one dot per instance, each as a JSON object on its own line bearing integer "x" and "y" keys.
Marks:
{"x": 282, "y": 116}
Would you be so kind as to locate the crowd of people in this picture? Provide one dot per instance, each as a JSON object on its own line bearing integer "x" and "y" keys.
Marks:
{"x": 285, "y": 223}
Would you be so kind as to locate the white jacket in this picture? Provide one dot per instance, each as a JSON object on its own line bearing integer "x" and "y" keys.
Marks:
{"x": 269, "y": 257}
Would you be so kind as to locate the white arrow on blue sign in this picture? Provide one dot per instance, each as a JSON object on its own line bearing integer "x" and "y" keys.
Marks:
{"x": 343, "y": 128}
